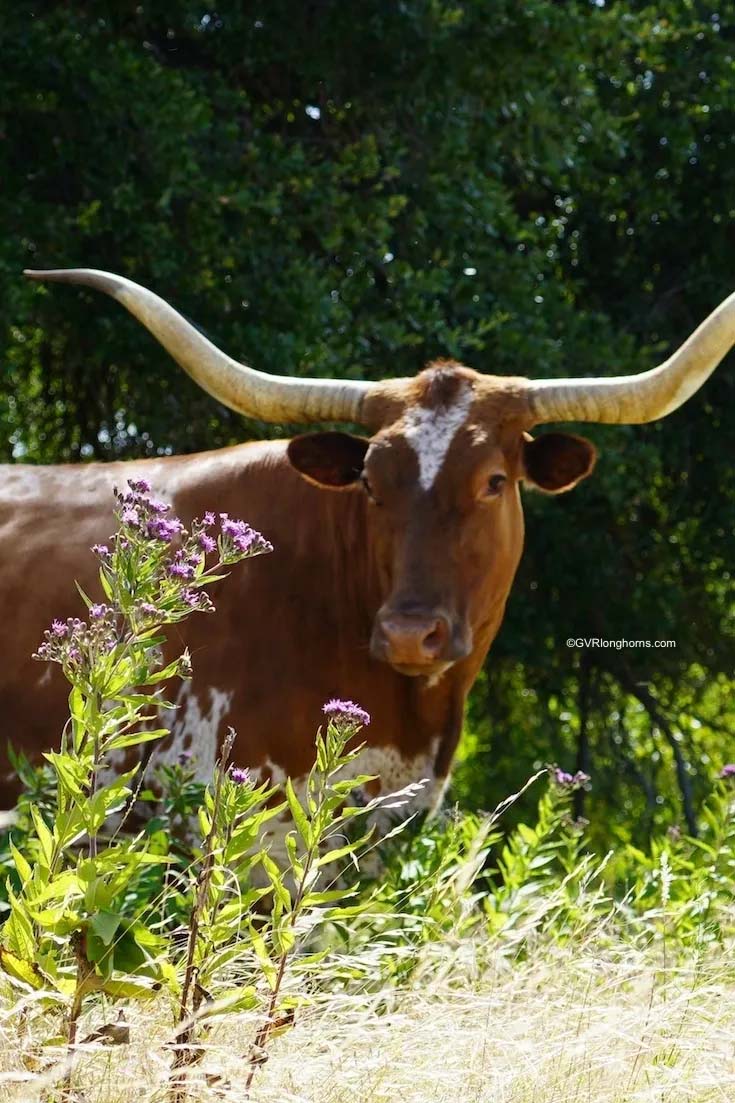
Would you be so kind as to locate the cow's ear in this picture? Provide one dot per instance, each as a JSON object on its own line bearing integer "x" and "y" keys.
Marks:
{"x": 556, "y": 462}
{"x": 329, "y": 459}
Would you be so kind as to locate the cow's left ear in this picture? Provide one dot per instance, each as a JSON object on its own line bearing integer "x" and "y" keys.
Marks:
{"x": 556, "y": 462}
{"x": 328, "y": 459}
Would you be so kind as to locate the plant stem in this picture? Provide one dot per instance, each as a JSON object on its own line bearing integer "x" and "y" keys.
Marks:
{"x": 265, "y": 1028}
{"x": 184, "y": 1033}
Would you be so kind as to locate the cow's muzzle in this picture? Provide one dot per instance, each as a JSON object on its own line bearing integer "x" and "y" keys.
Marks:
{"x": 417, "y": 643}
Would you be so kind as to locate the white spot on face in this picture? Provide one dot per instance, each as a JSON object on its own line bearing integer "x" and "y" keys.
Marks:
{"x": 431, "y": 430}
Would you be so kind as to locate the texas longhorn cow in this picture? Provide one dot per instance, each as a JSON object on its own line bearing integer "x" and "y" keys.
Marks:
{"x": 395, "y": 553}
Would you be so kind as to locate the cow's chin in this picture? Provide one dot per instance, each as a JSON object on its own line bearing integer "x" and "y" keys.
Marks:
{"x": 431, "y": 671}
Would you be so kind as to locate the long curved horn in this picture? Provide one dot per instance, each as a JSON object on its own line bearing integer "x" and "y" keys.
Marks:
{"x": 633, "y": 399}
{"x": 243, "y": 389}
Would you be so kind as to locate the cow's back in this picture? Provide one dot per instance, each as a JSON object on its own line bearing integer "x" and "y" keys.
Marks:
{"x": 291, "y": 628}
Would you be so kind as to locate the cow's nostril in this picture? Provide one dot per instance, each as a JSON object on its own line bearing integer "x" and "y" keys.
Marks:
{"x": 434, "y": 641}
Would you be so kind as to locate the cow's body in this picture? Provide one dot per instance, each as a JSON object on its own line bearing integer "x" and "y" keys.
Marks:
{"x": 291, "y": 629}
{"x": 394, "y": 553}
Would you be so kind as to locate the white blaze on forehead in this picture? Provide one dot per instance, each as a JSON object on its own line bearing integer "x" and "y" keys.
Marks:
{"x": 431, "y": 429}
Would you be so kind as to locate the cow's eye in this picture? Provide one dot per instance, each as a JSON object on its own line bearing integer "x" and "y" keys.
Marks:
{"x": 495, "y": 485}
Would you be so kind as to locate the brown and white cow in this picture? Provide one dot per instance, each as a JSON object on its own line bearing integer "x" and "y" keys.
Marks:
{"x": 395, "y": 553}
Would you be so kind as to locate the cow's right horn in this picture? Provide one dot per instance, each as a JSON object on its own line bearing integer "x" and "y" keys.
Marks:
{"x": 251, "y": 392}
{"x": 634, "y": 399}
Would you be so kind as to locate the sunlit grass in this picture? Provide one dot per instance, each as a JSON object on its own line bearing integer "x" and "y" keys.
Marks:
{"x": 594, "y": 1020}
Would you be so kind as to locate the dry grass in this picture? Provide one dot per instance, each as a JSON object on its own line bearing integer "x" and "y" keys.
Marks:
{"x": 589, "y": 1023}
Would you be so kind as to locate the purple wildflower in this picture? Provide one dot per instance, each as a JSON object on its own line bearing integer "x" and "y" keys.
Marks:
{"x": 161, "y": 528}
{"x": 728, "y": 770}
{"x": 190, "y": 597}
{"x": 101, "y": 550}
{"x": 130, "y": 516}
{"x": 59, "y": 629}
{"x": 140, "y": 486}
{"x": 243, "y": 540}
{"x": 148, "y": 609}
{"x": 209, "y": 519}
{"x": 207, "y": 543}
{"x": 561, "y": 777}
{"x": 343, "y": 713}
{"x": 181, "y": 568}
{"x": 239, "y": 538}
{"x": 569, "y": 781}
{"x": 230, "y": 527}
{"x": 239, "y": 775}
{"x": 98, "y": 611}
{"x": 158, "y": 507}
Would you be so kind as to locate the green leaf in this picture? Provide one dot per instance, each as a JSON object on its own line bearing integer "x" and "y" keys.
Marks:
{"x": 284, "y": 939}
{"x": 140, "y": 989}
{"x": 134, "y": 738}
{"x": 72, "y": 773}
{"x": 327, "y": 897}
{"x": 43, "y": 835}
{"x": 169, "y": 671}
{"x": 77, "y": 705}
{"x": 349, "y": 849}
{"x": 275, "y": 877}
{"x": 87, "y": 600}
{"x": 19, "y": 969}
{"x": 299, "y": 816}
{"x": 18, "y": 930}
{"x": 267, "y": 967}
{"x": 105, "y": 584}
{"x": 24, "y": 869}
{"x": 104, "y": 924}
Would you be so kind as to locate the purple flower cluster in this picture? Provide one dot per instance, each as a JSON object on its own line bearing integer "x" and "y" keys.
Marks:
{"x": 76, "y": 645}
{"x": 164, "y": 528}
{"x": 569, "y": 781}
{"x": 344, "y": 714}
{"x": 240, "y": 775}
{"x": 207, "y": 543}
{"x": 143, "y": 515}
{"x": 239, "y": 540}
{"x": 182, "y": 566}
{"x": 146, "y": 577}
{"x": 728, "y": 770}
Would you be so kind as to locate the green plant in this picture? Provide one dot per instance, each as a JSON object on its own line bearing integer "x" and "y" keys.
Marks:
{"x": 76, "y": 923}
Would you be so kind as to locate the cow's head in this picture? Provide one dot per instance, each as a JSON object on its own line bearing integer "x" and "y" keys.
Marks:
{"x": 441, "y": 481}
{"x": 442, "y": 469}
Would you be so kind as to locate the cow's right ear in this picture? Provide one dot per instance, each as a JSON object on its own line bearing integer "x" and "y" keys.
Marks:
{"x": 328, "y": 459}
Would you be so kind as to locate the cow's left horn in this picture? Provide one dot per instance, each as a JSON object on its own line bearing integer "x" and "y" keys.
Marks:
{"x": 251, "y": 392}
{"x": 633, "y": 399}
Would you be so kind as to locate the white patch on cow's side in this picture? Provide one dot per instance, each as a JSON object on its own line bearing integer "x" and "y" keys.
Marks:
{"x": 395, "y": 772}
{"x": 430, "y": 431}
{"x": 195, "y": 730}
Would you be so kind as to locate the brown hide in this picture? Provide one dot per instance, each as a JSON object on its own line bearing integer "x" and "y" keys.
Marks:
{"x": 297, "y": 627}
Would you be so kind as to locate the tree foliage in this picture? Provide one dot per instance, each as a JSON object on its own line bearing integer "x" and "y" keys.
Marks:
{"x": 541, "y": 189}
